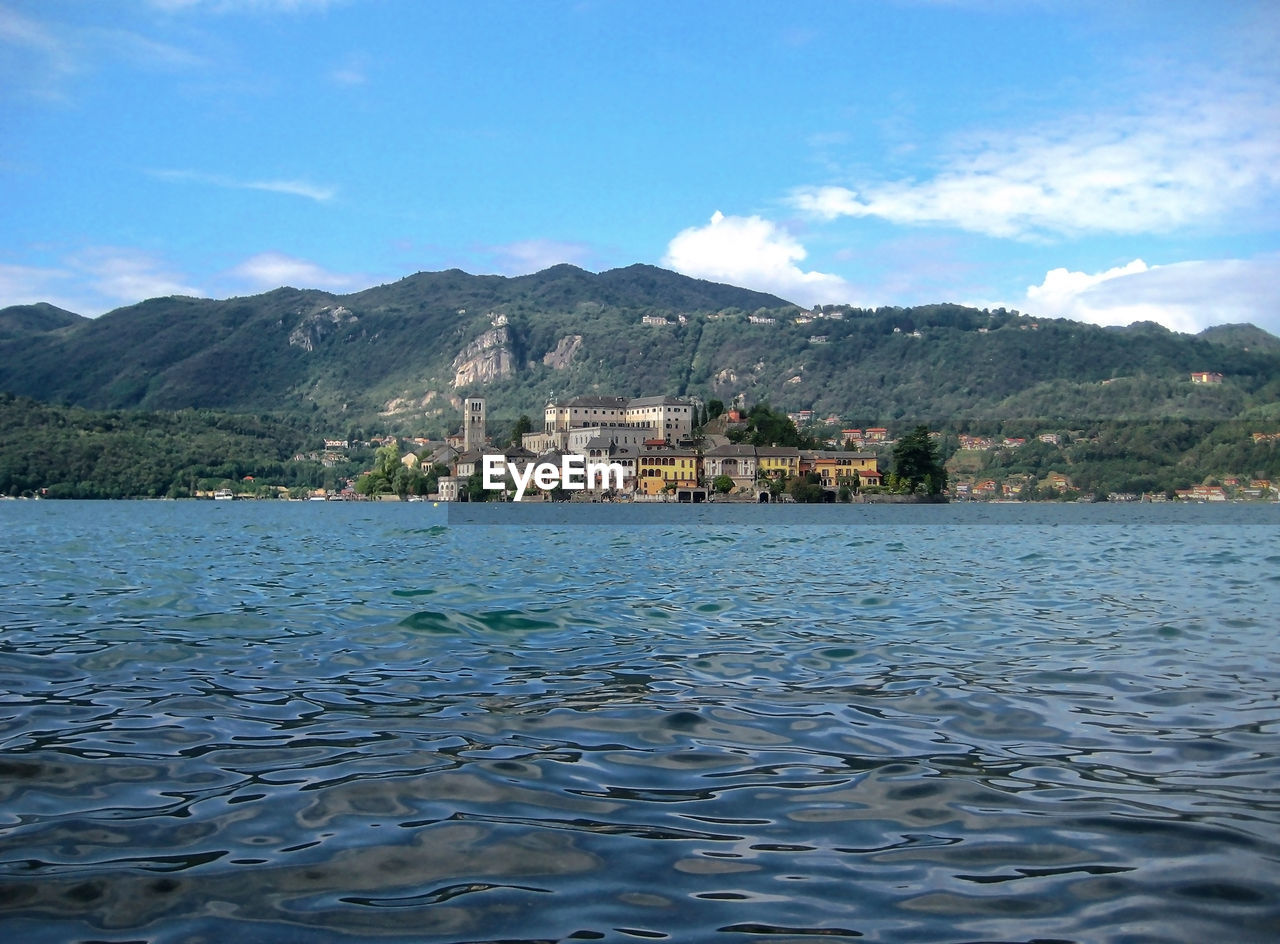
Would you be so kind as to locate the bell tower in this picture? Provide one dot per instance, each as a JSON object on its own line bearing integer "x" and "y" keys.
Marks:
{"x": 473, "y": 435}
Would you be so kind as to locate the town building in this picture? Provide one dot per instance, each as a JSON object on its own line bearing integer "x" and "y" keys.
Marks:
{"x": 1206, "y": 377}
{"x": 838, "y": 468}
{"x": 579, "y": 439}
{"x": 468, "y": 464}
{"x": 663, "y": 467}
{"x": 736, "y": 461}
{"x": 650, "y": 438}
{"x": 449, "y": 488}
{"x": 1201, "y": 493}
{"x": 671, "y": 416}
{"x": 1058, "y": 481}
{"x": 778, "y": 461}
{"x": 667, "y": 418}
{"x": 625, "y": 456}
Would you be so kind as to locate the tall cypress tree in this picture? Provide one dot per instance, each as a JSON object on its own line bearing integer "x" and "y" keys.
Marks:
{"x": 917, "y": 460}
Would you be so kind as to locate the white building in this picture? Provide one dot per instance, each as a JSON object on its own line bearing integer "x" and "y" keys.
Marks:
{"x": 668, "y": 418}
{"x": 449, "y": 488}
{"x": 636, "y": 436}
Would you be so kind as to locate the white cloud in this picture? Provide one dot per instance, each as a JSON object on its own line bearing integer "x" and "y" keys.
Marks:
{"x": 1062, "y": 288}
{"x": 752, "y": 252}
{"x": 144, "y": 52}
{"x": 46, "y": 60}
{"x": 268, "y": 270}
{"x": 534, "y": 255}
{"x": 130, "y": 275}
{"x": 293, "y": 188}
{"x": 27, "y": 285}
{"x": 37, "y": 62}
{"x": 21, "y": 31}
{"x": 1184, "y": 296}
{"x": 1195, "y": 158}
{"x": 352, "y": 71}
{"x": 93, "y": 281}
{"x": 98, "y": 279}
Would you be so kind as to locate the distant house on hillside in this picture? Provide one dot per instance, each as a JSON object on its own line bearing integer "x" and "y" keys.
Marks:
{"x": 1206, "y": 377}
{"x": 1058, "y": 481}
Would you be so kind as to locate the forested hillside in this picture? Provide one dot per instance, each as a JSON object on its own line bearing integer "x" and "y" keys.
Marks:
{"x": 69, "y": 452}
{"x": 399, "y": 358}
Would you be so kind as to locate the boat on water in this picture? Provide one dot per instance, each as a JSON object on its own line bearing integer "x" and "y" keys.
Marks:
{"x": 223, "y": 494}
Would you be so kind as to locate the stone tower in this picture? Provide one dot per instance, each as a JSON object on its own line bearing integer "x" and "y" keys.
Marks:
{"x": 473, "y": 435}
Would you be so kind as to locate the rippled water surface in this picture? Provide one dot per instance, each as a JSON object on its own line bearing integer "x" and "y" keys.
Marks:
{"x": 302, "y": 722}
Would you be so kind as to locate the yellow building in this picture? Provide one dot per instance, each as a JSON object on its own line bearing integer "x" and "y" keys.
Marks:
{"x": 836, "y": 468}
{"x": 659, "y": 467}
{"x": 778, "y": 461}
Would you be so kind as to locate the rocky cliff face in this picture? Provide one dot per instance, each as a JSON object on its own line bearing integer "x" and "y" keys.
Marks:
{"x": 318, "y": 325}
{"x": 562, "y": 356}
{"x": 485, "y": 359}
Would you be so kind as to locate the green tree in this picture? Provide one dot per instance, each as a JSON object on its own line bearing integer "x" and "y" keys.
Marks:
{"x": 387, "y": 475}
{"x": 372, "y": 483}
{"x": 405, "y": 481}
{"x": 475, "y": 489}
{"x": 807, "y": 488}
{"x": 917, "y": 464}
{"x": 766, "y": 427}
{"x": 387, "y": 460}
{"x": 722, "y": 484}
{"x": 523, "y": 425}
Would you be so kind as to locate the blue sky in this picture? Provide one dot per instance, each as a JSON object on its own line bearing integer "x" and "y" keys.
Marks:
{"x": 1103, "y": 161}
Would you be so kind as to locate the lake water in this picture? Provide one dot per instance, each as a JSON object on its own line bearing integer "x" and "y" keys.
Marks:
{"x": 322, "y": 722}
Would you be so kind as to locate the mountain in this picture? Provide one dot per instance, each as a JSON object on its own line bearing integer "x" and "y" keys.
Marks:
{"x": 1246, "y": 337}
{"x": 399, "y": 357}
{"x": 23, "y": 320}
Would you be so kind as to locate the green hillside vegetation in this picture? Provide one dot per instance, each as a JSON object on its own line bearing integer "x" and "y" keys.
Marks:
{"x": 22, "y": 320}
{"x": 1135, "y": 457}
{"x": 352, "y": 354}
{"x": 1244, "y": 336}
{"x": 69, "y": 452}
{"x": 311, "y": 364}
{"x": 321, "y": 358}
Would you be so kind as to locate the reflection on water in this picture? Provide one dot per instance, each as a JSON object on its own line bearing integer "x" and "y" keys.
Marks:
{"x": 292, "y": 723}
